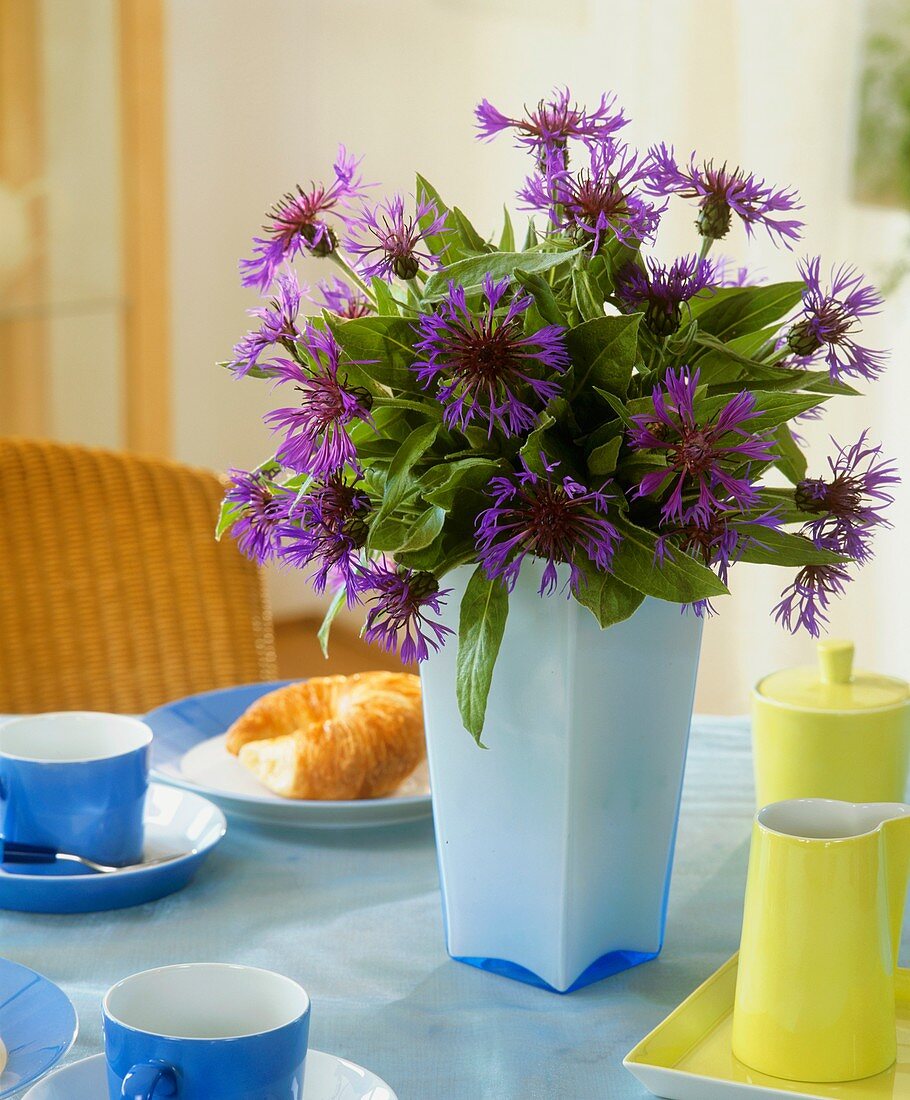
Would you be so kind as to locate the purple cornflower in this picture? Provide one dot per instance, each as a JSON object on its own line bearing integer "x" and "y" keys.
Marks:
{"x": 830, "y": 318}
{"x": 261, "y": 507}
{"x": 699, "y": 456}
{"x": 297, "y": 222}
{"x": 722, "y": 192}
{"x": 387, "y": 242}
{"x": 597, "y": 200}
{"x": 341, "y": 299}
{"x": 805, "y": 602}
{"x": 728, "y": 274}
{"x": 547, "y": 128}
{"x": 485, "y": 365}
{"x": 850, "y": 504}
{"x": 278, "y": 325}
{"x": 328, "y": 532}
{"x": 719, "y": 543}
{"x": 398, "y": 617}
{"x": 661, "y": 290}
{"x": 550, "y": 517}
{"x": 317, "y": 442}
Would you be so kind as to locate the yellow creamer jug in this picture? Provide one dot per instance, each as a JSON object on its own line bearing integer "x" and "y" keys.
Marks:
{"x": 821, "y": 931}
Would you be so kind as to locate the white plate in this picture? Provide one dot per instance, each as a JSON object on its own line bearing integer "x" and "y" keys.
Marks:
{"x": 177, "y": 823}
{"x": 327, "y": 1078}
{"x": 188, "y": 751}
{"x": 209, "y": 764}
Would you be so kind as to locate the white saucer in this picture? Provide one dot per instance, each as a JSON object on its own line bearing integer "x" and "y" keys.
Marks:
{"x": 177, "y": 824}
{"x": 189, "y": 752}
{"x": 327, "y": 1078}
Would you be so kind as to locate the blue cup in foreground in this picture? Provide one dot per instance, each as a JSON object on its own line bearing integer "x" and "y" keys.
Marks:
{"x": 75, "y": 781}
{"x": 205, "y": 1030}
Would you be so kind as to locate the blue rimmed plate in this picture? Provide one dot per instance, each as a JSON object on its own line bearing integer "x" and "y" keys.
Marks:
{"x": 189, "y": 751}
{"x": 177, "y": 824}
{"x": 38, "y": 1026}
{"x": 327, "y": 1078}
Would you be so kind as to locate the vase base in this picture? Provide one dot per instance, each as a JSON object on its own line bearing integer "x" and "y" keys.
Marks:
{"x": 604, "y": 967}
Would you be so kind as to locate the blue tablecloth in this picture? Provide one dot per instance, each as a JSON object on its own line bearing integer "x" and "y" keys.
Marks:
{"x": 356, "y": 918}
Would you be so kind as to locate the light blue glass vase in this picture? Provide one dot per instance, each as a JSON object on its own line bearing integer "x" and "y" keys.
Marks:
{"x": 556, "y": 842}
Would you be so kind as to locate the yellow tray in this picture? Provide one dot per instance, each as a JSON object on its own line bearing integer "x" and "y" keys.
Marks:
{"x": 689, "y": 1057}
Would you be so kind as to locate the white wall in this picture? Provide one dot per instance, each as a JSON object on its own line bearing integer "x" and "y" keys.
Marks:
{"x": 260, "y": 93}
{"x": 82, "y": 249}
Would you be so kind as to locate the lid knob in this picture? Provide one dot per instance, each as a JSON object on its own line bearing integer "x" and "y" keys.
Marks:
{"x": 835, "y": 661}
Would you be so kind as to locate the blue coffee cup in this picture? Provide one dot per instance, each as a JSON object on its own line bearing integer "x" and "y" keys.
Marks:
{"x": 76, "y": 782}
{"x": 204, "y": 1030}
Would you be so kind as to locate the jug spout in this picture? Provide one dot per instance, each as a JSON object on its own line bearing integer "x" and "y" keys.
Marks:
{"x": 895, "y": 827}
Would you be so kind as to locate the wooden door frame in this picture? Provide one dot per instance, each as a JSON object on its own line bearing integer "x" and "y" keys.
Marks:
{"x": 24, "y": 404}
{"x": 147, "y": 414}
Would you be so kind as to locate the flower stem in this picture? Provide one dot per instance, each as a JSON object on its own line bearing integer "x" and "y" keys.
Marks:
{"x": 706, "y": 243}
{"x": 351, "y": 274}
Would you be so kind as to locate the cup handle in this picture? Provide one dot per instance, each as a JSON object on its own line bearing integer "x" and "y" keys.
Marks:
{"x": 153, "y": 1080}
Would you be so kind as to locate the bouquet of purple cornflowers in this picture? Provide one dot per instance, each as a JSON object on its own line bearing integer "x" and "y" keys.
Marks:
{"x": 625, "y": 416}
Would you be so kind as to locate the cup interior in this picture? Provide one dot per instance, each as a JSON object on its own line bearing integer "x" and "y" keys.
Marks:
{"x": 206, "y": 1001}
{"x": 827, "y": 819}
{"x": 71, "y": 737}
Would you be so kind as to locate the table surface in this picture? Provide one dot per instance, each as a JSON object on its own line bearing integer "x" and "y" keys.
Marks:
{"x": 356, "y": 918}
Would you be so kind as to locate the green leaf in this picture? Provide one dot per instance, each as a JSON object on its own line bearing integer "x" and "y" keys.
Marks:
{"x": 402, "y": 536}
{"x": 470, "y": 238}
{"x": 427, "y": 409}
{"x": 543, "y": 441}
{"x": 388, "y": 535}
{"x": 228, "y": 515}
{"x": 469, "y": 272}
{"x": 399, "y": 482}
{"x": 386, "y": 304}
{"x": 250, "y": 372}
{"x": 602, "y": 460}
{"x": 731, "y": 313}
{"x": 774, "y": 547}
{"x": 600, "y": 272}
{"x": 587, "y": 298}
{"x": 604, "y": 352}
{"x": 381, "y": 349}
{"x": 771, "y": 408}
{"x": 323, "y": 633}
{"x": 750, "y": 344}
{"x": 507, "y": 239}
{"x": 617, "y": 406}
{"x": 482, "y": 622}
{"x": 607, "y": 598}
{"x": 728, "y": 351}
{"x": 424, "y": 529}
{"x": 447, "y": 244}
{"x": 783, "y": 503}
{"x": 792, "y": 462}
{"x": 466, "y": 473}
{"x": 680, "y": 579}
{"x": 530, "y": 236}
{"x": 544, "y": 298}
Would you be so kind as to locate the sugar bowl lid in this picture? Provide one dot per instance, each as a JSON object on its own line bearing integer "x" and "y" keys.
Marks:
{"x": 832, "y": 684}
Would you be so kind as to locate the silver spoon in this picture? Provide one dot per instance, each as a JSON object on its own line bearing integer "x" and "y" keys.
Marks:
{"x": 12, "y": 852}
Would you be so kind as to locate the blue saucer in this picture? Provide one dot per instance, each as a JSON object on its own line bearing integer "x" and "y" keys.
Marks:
{"x": 177, "y": 823}
{"x": 189, "y": 751}
{"x": 38, "y": 1025}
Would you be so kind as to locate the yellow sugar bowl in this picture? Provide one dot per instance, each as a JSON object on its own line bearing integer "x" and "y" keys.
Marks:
{"x": 830, "y": 732}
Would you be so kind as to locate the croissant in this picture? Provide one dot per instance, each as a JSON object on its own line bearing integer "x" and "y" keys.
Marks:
{"x": 334, "y": 737}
